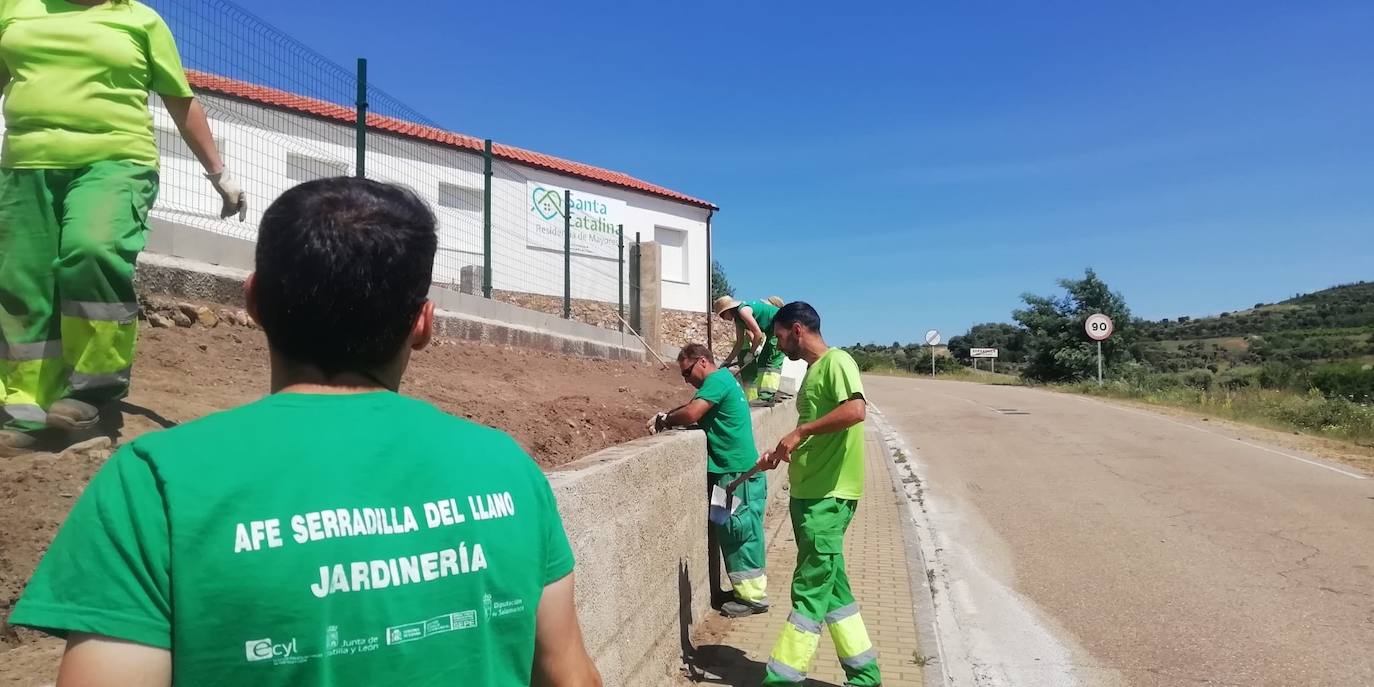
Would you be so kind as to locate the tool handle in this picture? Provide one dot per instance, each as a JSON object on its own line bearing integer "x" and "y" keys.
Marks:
{"x": 741, "y": 479}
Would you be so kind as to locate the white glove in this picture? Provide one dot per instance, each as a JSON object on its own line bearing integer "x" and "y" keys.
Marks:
{"x": 752, "y": 355}
{"x": 235, "y": 200}
{"x": 657, "y": 423}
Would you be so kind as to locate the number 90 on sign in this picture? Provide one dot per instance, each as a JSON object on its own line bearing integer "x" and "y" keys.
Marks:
{"x": 1098, "y": 327}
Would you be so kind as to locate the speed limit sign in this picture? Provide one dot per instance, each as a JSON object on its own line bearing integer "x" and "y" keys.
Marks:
{"x": 1098, "y": 327}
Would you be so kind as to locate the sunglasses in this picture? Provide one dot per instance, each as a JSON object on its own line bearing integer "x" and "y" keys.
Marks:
{"x": 687, "y": 371}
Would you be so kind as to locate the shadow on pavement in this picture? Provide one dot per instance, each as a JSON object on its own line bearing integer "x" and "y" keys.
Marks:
{"x": 726, "y": 665}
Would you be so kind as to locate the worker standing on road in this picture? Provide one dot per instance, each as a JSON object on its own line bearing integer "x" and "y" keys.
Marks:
{"x": 756, "y": 347}
{"x": 334, "y": 533}
{"x": 720, "y": 409}
{"x": 78, "y": 175}
{"x": 826, "y": 474}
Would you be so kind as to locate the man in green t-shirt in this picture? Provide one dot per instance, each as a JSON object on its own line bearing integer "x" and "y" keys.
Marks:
{"x": 826, "y": 472}
{"x": 720, "y": 409}
{"x": 334, "y": 532}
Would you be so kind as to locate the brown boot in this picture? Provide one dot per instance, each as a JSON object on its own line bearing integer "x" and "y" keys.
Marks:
{"x": 72, "y": 415}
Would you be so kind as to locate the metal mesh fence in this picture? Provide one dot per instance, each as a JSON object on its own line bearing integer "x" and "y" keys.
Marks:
{"x": 282, "y": 114}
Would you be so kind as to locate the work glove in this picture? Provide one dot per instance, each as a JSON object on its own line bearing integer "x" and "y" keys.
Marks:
{"x": 750, "y": 355}
{"x": 657, "y": 423}
{"x": 235, "y": 200}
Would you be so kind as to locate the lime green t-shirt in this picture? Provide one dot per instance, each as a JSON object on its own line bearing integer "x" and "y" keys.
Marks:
{"x": 79, "y": 79}
{"x": 363, "y": 539}
{"x": 729, "y": 428}
{"x": 829, "y": 464}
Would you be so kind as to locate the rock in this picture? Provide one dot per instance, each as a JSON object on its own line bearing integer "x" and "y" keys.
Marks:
{"x": 243, "y": 319}
{"x": 159, "y": 320}
{"x": 227, "y": 316}
{"x": 181, "y": 319}
{"x": 623, "y": 389}
{"x": 205, "y": 317}
{"x": 203, "y": 347}
{"x": 89, "y": 445}
{"x": 188, "y": 308}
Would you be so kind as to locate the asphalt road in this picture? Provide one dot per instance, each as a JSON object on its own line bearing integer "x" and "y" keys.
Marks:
{"x": 1073, "y": 541}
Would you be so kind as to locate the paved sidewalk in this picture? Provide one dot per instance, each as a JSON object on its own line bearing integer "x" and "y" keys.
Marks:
{"x": 875, "y": 557}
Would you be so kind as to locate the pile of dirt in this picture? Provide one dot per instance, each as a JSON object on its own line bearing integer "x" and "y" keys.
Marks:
{"x": 558, "y": 408}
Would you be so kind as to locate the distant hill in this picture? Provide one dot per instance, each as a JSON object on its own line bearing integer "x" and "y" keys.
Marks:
{"x": 1339, "y": 307}
{"x": 1331, "y": 324}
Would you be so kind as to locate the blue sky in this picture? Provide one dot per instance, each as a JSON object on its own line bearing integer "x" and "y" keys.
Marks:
{"x": 913, "y": 165}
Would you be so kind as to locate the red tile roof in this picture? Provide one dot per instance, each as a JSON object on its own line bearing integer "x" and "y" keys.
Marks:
{"x": 205, "y": 81}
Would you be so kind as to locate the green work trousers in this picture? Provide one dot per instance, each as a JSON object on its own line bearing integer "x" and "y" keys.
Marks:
{"x": 821, "y": 596}
{"x": 741, "y": 537}
{"x": 763, "y": 375}
{"x": 69, "y": 239}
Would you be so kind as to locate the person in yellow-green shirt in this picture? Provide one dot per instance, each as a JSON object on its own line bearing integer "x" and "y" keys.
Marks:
{"x": 78, "y": 176}
{"x": 825, "y": 456}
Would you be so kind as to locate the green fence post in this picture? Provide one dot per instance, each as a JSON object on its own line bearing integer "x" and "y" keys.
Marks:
{"x": 486, "y": 220}
{"x": 567, "y": 255}
{"x": 636, "y": 287}
{"x": 620, "y": 241}
{"x": 360, "y": 166}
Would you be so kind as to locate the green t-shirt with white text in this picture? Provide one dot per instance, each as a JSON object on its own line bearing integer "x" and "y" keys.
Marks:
{"x": 357, "y": 539}
{"x": 729, "y": 428}
{"x": 829, "y": 465}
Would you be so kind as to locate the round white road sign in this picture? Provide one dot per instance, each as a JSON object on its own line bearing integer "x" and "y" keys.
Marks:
{"x": 1098, "y": 327}
{"x": 933, "y": 337}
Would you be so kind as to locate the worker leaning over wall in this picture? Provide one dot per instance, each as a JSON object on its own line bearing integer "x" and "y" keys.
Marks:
{"x": 720, "y": 409}
{"x": 78, "y": 175}
{"x": 756, "y": 346}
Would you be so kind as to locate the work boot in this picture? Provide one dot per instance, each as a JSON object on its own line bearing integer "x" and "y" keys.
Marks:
{"x": 738, "y": 608}
{"x": 72, "y": 415}
{"x": 13, "y": 443}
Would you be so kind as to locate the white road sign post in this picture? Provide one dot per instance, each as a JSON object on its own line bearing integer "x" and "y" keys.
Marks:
{"x": 989, "y": 353}
{"x": 933, "y": 339}
{"x": 1098, "y": 327}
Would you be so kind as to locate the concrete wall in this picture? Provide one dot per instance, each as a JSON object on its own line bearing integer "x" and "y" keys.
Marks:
{"x": 636, "y": 516}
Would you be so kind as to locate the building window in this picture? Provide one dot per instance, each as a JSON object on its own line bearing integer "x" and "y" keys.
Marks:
{"x": 673, "y": 253}
{"x": 460, "y": 197}
{"x": 170, "y": 144}
{"x": 305, "y": 168}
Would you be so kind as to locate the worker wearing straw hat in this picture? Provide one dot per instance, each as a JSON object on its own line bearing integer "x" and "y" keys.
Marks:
{"x": 756, "y": 347}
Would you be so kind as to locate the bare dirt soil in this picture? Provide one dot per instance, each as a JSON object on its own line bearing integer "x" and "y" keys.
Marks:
{"x": 558, "y": 408}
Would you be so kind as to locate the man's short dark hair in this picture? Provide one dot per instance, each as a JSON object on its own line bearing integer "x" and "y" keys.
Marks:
{"x": 343, "y": 269}
{"x": 692, "y": 351}
{"x": 798, "y": 312}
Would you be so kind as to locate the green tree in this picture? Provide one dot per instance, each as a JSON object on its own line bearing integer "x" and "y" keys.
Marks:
{"x": 720, "y": 284}
{"x": 1008, "y": 339}
{"x": 1057, "y": 349}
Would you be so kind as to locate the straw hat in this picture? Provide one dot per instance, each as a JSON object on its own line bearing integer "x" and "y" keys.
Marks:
{"x": 723, "y": 304}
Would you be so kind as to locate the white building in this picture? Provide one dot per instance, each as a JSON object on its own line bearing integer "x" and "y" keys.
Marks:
{"x": 272, "y": 140}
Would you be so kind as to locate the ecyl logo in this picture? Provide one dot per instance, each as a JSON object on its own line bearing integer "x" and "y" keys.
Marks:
{"x": 266, "y": 649}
